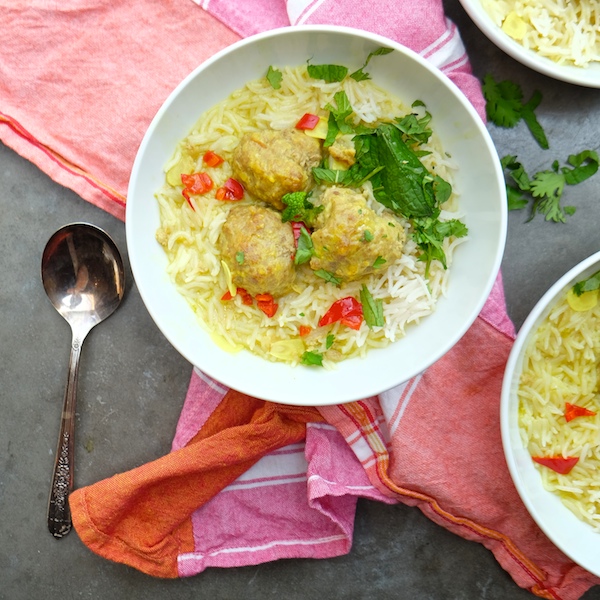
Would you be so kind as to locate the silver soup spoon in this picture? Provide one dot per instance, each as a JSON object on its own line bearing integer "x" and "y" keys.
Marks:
{"x": 82, "y": 273}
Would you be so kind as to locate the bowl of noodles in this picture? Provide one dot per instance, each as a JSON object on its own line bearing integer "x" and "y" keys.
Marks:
{"x": 550, "y": 413}
{"x": 315, "y": 215}
{"x": 558, "y": 38}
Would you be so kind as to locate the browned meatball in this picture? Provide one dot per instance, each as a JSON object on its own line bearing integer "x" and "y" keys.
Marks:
{"x": 351, "y": 239}
{"x": 271, "y": 164}
{"x": 258, "y": 249}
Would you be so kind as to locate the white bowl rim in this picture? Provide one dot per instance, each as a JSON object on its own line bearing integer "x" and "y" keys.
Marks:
{"x": 585, "y": 77}
{"x": 460, "y": 97}
{"x": 539, "y": 311}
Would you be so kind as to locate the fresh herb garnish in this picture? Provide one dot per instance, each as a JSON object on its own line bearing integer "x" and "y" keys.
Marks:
{"x": 544, "y": 191}
{"x": 379, "y": 262}
{"x": 327, "y": 276}
{"x": 367, "y": 236}
{"x": 305, "y": 249}
{"x": 312, "y": 359}
{"x": 329, "y": 341}
{"x": 587, "y": 285}
{"x": 328, "y": 73}
{"x": 372, "y": 308}
{"x": 239, "y": 257}
{"x": 505, "y": 107}
{"x": 299, "y": 208}
{"x": 360, "y": 74}
{"x": 338, "y": 115}
{"x": 274, "y": 77}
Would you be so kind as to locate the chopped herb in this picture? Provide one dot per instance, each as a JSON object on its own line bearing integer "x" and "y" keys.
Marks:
{"x": 329, "y": 341}
{"x": 312, "y": 359}
{"x": 545, "y": 189}
{"x": 338, "y": 115}
{"x": 587, "y": 285}
{"x": 360, "y": 74}
{"x": 239, "y": 257}
{"x": 414, "y": 128}
{"x": 274, "y": 77}
{"x": 504, "y": 107}
{"x": 327, "y": 276}
{"x": 372, "y": 308}
{"x": 305, "y": 249}
{"x": 367, "y": 236}
{"x": 379, "y": 262}
{"x": 328, "y": 73}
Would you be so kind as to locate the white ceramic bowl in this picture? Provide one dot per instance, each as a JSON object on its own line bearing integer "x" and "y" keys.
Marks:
{"x": 588, "y": 77}
{"x": 476, "y": 263}
{"x": 572, "y": 536}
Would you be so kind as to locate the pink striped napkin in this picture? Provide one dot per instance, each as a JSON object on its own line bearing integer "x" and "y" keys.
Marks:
{"x": 433, "y": 442}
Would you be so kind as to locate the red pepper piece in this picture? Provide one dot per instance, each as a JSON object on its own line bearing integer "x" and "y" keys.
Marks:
{"x": 304, "y": 330}
{"x": 196, "y": 183}
{"x": 211, "y": 159}
{"x": 226, "y": 296}
{"x": 560, "y": 464}
{"x": 347, "y": 311}
{"x": 572, "y": 411}
{"x": 231, "y": 190}
{"x": 307, "y": 121}
{"x": 267, "y": 304}
{"x": 297, "y": 229}
{"x": 243, "y": 294}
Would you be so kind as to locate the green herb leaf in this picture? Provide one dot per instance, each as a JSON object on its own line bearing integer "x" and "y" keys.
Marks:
{"x": 338, "y": 115}
{"x": 585, "y": 165}
{"x": 360, "y": 74}
{"x": 305, "y": 249}
{"x": 239, "y": 257}
{"x": 372, "y": 308}
{"x": 367, "y": 236}
{"x": 274, "y": 77}
{"x": 312, "y": 359}
{"x": 587, "y": 285}
{"x": 503, "y": 101}
{"x": 379, "y": 262}
{"x": 329, "y": 341}
{"x": 327, "y": 276}
{"x": 415, "y": 129}
{"x": 516, "y": 198}
{"x": 531, "y": 121}
{"x": 328, "y": 73}
{"x": 430, "y": 234}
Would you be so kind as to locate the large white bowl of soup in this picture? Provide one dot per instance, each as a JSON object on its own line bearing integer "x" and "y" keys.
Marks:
{"x": 559, "y": 39}
{"x": 550, "y": 411}
{"x": 315, "y": 215}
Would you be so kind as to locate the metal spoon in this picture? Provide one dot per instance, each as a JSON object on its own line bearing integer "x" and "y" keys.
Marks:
{"x": 82, "y": 273}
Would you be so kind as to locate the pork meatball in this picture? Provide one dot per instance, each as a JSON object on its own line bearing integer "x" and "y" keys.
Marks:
{"x": 258, "y": 249}
{"x": 271, "y": 164}
{"x": 350, "y": 239}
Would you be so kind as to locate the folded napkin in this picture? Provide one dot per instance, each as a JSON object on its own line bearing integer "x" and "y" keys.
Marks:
{"x": 249, "y": 481}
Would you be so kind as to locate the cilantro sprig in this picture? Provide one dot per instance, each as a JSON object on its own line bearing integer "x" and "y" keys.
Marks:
{"x": 505, "y": 108}
{"x": 543, "y": 192}
{"x": 587, "y": 285}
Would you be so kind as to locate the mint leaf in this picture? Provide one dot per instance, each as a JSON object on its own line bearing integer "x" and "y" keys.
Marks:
{"x": 305, "y": 249}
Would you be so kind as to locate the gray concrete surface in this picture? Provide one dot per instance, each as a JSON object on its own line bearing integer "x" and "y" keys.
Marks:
{"x": 132, "y": 386}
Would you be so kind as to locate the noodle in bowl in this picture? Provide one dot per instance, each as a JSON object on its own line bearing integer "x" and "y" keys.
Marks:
{"x": 177, "y": 281}
{"x": 552, "y": 369}
{"x": 190, "y": 235}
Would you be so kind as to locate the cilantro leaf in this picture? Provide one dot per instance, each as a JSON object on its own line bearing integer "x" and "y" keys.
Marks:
{"x": 587, "y": 285}
{"x": 372, "y": 308}
{"x": 379, "y": 262}
{"x": 305, "y": 249}
{"x": 531, "y": 121}
{"x": 313, "y": 359}
{"x": 329, "y": 341}
{"x": 338, "y": 115}
{"x": 503, "y": 101}
{"x": 327, "y": 276}
{"x": 328, "y": 73}
{"x": 274, "y": 77}
{"x": 239, "y": 257}
{"x": 430, "y": 234}
{"x": 516, "y": 198}
{"x": 360, "y": 74}
{"x": 585, "y": 165}
{"x": 414, "y": 128}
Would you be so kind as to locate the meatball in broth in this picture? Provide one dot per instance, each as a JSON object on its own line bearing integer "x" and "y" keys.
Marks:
{"x": 271, "y": 164}
{"x": 350, "y": 239}
{"x": 258, "y": 249}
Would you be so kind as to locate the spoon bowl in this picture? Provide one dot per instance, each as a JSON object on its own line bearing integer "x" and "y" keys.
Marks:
{"x": 83, "y": 276}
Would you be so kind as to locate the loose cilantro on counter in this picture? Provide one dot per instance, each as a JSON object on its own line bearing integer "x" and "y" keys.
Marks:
{"x": 505, "y": 108}
{"x": 544, "y": 191}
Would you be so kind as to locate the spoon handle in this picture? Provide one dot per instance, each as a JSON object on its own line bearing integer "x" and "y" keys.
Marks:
{"x": 59, "y": 514}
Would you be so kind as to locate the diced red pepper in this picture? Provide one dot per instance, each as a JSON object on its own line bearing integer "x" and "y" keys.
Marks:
{"x": 307, "y": 121}
{"x": 560, "y": 464}
{"x": 304, "y": 330}
{"x": 244, "y": 295}
{"x": 572, "y": 411}
{"x": 196, "y": 183}
{"x": 231, "y": 190}
{"x": 347, "y": 311}
{"x": 267, "y": 304}
{"x": 211, "y": 159}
